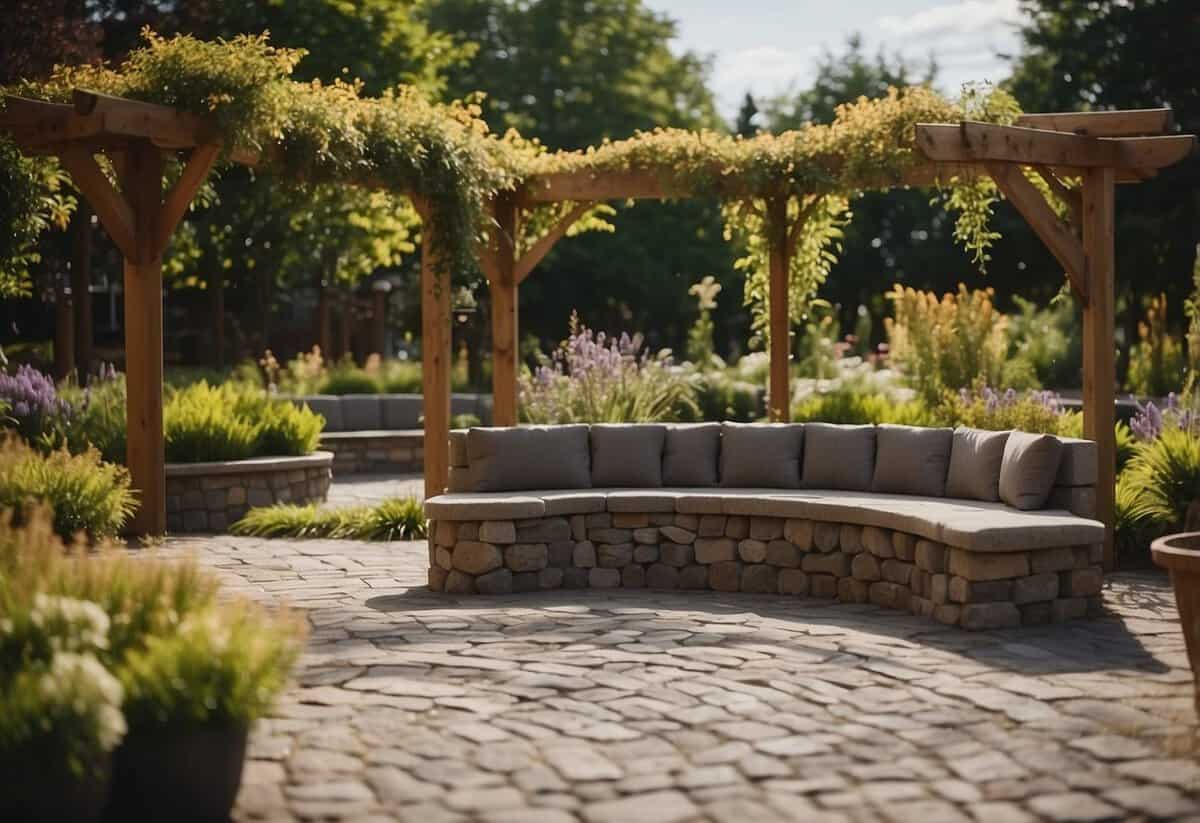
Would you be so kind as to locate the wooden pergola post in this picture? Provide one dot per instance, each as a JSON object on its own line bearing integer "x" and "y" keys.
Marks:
{"x": 1099, "y": 347}
{"x": 780, "y": 344}
{"x": 435, "y": 358}
{"x": 500, "y": 268}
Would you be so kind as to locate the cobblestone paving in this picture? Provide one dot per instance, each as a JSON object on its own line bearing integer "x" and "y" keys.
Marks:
{"x": 368, "y": 489}
{"x": 643, "y": 707}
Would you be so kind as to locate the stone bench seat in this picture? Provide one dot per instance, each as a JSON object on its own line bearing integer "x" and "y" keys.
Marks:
{"x": 1010, "y": 540}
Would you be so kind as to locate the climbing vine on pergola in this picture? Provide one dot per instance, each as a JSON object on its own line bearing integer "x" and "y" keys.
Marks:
{"x": 504, "y": 201}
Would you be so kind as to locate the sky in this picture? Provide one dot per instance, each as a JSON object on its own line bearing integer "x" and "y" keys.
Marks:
{"x": 769, "y": 46}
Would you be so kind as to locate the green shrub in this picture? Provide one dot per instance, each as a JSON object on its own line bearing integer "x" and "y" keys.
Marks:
{"x": 465, "y": 421}
{"x": 721, "y": 396}
{"x": 1049, "y": 339}
{"x": 1137, "y": 524}
{"x": 1157, "y": 365}
{"x": 200, "y": 424}
{"x": 401, "y": 377}
{"x": 987, "y": 408}
{"x": 281, "y": 428}
{"x": 394, "y": 519}
{"x": 1166, "y": 471}
{"x": 851, "y": 404}
{"x": 85, "y": 493}
{"x": 97, "y": 418}
{"x": 349, "y": 381}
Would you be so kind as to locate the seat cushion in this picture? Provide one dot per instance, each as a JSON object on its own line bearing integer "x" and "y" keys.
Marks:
{"x": 529, "y": 457}
{"x": 627, "y": 455}
{"x": 475, "y": 506}
{"x": 838, "y": 457}
{"x": 328, "y": 406}
{"x": 765, "y": 455}
{"x": 1028, "y": 469}
{"x": 691, "y": 454}
{"x": 975, "y": 459}
{"x": 911, "y": 460}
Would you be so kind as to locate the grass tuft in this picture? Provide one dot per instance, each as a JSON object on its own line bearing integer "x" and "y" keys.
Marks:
{"x": 394, "y": 519}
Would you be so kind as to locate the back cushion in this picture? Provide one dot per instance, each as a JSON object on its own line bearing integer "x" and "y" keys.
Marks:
{"x": 691, "y": 454}
{"x": 328, "y": 406}
{"x": 362, "y": 412}
{"x": 1028, "y": 470}
{"x": 529, "y": 457}
{"x": 761, "y": 455}
{"x": 401, "y": 411}
{"x": 975, "y": 460}
{"x": 628, "y": 455}
{"x": 911, "y": 460}
{"x": 838, "y": 457}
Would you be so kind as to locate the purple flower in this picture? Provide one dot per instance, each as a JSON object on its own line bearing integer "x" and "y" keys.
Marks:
{"x": 33, "y": 399}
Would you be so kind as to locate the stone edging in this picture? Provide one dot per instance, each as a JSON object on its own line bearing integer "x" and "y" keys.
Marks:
{"x": 376, "y": 450}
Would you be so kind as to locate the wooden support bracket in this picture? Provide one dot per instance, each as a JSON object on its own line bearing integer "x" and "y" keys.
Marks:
{"x": 179, "y": 198}
{"x": 1071, "y": 197}
{"x": 541, "y": 248}
{"x": 110, "y": 205}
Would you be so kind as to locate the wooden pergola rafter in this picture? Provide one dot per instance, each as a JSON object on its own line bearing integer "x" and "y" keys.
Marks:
{"x": 1098, "y": 149}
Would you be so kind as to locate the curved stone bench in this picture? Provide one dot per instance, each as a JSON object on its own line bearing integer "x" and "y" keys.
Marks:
{"x": 969, "y": 563}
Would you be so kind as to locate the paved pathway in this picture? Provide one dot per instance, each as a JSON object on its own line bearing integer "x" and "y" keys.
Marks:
{"x": 369, "y": 489}
{"x": 628, "y": 707}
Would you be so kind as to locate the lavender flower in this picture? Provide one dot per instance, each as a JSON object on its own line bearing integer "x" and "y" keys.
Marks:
{"x": 1149, "y": 421}
{"x": 33, "y": 400}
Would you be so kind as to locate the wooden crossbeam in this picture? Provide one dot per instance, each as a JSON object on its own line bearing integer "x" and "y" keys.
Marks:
{"x": 971, "y": 142}
{"x": 179, "y": 198}
{"x": 38, "y": 123}
{"x": 1127, "y": 123}
{"x": 1057, "y": 236}
{"x": 109, "y": 204}
{"x": 529, "y": 260}
{"x": 162, "y": 125}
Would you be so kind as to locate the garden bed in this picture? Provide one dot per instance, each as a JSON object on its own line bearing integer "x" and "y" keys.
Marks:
{"x": 208, "y": 497}
{"x": 357, "y": 452}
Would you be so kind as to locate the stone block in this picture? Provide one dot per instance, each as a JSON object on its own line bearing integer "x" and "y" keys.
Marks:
{"x": 545, "y": 530}
{"x": 792, "y": 581}
{"x": 236, "y": 496}
{"x": 737, "y": 527}
{"x": 598, "y": 520}
{"x": 919, "y": 583}
{"x": 1035, "y": 588}
{"x": 889, "y": 595}
{"x": 725, "y": 576}
{"x": 630, "y": 520}
{"x": 853, "y": 591}
{"x": 633, "y": 576}
{"x": 1052, "y": 560}
{"x": 645, "y": 553}
{"x": 825, "y": 536}
{"x": 527, "y": 557}
{"x": 443, "y": 558}
{"x": 677, "y": 534}
{"x": 760, "y": 579}
{"x": 218, "y": 521}
{"x": 766, "y": 528}
{"x": 715, "y": 550}
{"x": 174, "y": 522}
{"x": 498, "y": 531}
{"x": 584, "y": 554}
{"x": 877, "y": 541}
{"x": 662, "y": 576}
{"x": 850, "y": 538}
{"x": 836, "y": 564}
{"x": 468, "y": 530}
{"x": 476, "y": 558}
{"x": 578, "y": 527}
{"x": 962, "y": 590}
{"x": 1036, "y": 614}
{"x": 1068, "y": 608}
{"x": 939, "y": 588}
{"x": 458, "y": 582}
{"x": 929, "y": 556}
{"x": 646, "y": 536}
{"x": 445, "y": 533}
{"x": 283, "y": 495}
{"x": 437, "y": 579}
{"x": 783, "y": 553}
{"x": 560, "y": 554}
{"x": 575, "y": 578}
{"x": 499, "y": 581}
{"x": 614, "y": 556}
{"x": 256, "y": 498}
{"x": 799, "y": 533}
{"x": 947, "y": 613}
{"x": 981, "y": 616}
{"x": 896, "y": 570}
{"x": 675, "y": 554}
{"x": 822, "y": 585}
{"x": 195, "y": 521}
{"x": 604, "y": 578}
{"x": 523, "y": 581}
{"x": 550, "y": 577}
{"x": 610, "y": 535}
{"x": 691, "y": 522}
{"x": 988, "y": 566}
{"x": 905, "y": 546}
{"x": 711, "y": 525}
{"x": 865, "y": 567}
{"x": 752, "y": 551}
{"x": 693, "y": 577}
{"x": 1081, "y": 582}
{"x": 662, "y": 518}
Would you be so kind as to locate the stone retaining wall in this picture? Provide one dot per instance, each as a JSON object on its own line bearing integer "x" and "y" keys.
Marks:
{"x": 769, "y": 555}
{"x": 384, "y": 451}
{"x": 208, "y": 497}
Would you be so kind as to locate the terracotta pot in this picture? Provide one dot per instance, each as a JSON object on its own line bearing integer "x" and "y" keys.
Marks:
{"x": 37, "y": 794}
{"x": 189, "y": 776}
{"x": 1180, "y": 554}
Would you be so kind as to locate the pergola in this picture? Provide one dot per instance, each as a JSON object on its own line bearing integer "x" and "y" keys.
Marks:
{"x": 1098, "y": 148}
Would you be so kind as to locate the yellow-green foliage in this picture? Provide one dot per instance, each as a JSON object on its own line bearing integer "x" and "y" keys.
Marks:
{"x": 851, "y": 405}
{"x": 235, "y": 422}
{"x": 1157, "y": 364}
{"x": 394, "y": 519}
{"x": 85, "y": 493}
{"x": 1166, "y": 471}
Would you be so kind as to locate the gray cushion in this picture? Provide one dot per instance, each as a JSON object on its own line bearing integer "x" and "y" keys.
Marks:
{"x": 762, "y": 455}
{"x": 690, "y": 454}
{"x": 975, "y": 460}
{"x": 362, "y": 412}
{"x": 529, "y": 457}
{"x": 627, "y": 455}
{"x": 1028, "y": 470}
{"x": 911, "y": 460}
{"x": 328, "y": 406}
{"x": 838, "y": 457}
{"x": 401, "y": 411}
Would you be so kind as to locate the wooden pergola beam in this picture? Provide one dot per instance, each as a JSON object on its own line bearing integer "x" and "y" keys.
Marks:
{"x": 970, "y": 142}
{"x": 501, "y": 268}
{"x": 180, "y": 197}
{"x": 1126, "y": 123}
{"x": 545, "y": 243}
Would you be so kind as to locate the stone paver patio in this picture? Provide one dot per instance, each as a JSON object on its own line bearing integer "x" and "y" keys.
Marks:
{"x": 629, "y": 706}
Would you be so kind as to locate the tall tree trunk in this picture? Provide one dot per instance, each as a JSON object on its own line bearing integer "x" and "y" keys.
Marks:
{"x": 81, "y": 285}
{"x": 64, "y": 329}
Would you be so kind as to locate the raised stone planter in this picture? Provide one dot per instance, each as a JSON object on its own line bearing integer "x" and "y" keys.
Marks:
{"x": 357, "y": 452}
{"x": 208, "y": 497}
{"x": 767, "y": 555}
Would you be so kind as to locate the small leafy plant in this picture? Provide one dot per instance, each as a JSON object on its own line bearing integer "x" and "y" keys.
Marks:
{"x": 394, "y": 519}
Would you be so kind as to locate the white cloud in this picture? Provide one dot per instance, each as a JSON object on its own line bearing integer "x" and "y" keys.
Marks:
{"x": 953, "y": 20}
{"x": 765, "y": 70}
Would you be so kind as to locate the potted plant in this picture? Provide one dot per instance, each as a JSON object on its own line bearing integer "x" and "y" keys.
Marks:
{"x": 191, "y": 697}
{"x": 1180, "y": 554}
